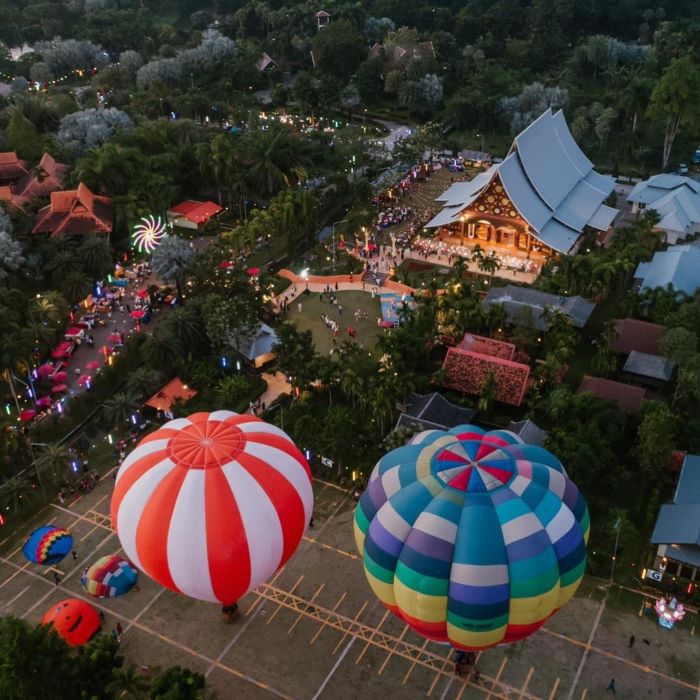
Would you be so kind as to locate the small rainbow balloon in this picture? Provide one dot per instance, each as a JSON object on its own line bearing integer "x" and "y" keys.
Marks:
{"x": 149, "y": 233}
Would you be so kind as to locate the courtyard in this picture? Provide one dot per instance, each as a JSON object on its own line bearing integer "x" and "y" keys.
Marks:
{"x": 367, "y": 330}
{"x": 316, "y": 631}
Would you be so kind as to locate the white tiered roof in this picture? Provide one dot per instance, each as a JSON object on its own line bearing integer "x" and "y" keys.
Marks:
{"x": 549, "y": 180}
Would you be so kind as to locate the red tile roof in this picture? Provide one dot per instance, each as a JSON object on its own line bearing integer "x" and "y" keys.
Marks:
{"x": 11, "y": 167}
{"x": 76, "y": 212}
{"x": 173, "y": 391}
{"x": 641, "y": 336}
{"x": 628, "y": 397}
{"x": 487, "y": 346}
{"x": 467, "y": 371}
{"x": 196, "y": 212}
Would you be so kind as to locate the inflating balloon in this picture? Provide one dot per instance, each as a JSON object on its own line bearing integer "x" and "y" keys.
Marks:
{"x": 473, "y": 538}
{"x": 213, "y": 504}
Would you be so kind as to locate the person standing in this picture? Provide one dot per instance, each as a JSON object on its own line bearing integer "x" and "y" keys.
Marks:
{"x": 56, "y": 578}
{"x": 632, "y": 639}
{"x": 611, "y": 687}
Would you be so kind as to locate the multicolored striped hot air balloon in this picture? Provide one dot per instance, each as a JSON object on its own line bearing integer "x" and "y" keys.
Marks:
{"x": 213, "y": 504}
{"x": 48, "y": 545}
{"x": 109, "y": 577}
{"x": 473, "y": 538}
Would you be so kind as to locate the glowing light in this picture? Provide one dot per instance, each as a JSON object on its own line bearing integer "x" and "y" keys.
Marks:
{"x": 148, "y": 234}
{"x": 669, "y": 612}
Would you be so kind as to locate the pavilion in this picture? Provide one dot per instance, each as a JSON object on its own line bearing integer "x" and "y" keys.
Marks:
{"x": 541, "y": 198}
{"x": 75, "y": 213}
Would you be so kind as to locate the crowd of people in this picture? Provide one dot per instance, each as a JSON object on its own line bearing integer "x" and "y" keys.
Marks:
{"x": 426, "y": 247}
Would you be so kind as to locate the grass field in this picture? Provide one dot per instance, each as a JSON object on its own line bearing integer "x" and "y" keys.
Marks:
{"x": 313, "y": 308}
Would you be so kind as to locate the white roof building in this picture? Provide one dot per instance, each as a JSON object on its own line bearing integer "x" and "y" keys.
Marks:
{"x": 548, "y": 182}
{"x": 678, "y": 266}
{"x": 675, "y": 198}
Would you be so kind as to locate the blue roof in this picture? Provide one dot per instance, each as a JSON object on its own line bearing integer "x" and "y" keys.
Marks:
{"x": 679, "y": 266}
{"x": 679, "y": 522}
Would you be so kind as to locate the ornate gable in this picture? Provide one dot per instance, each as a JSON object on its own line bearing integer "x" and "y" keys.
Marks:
{"x": 494, "y": 201}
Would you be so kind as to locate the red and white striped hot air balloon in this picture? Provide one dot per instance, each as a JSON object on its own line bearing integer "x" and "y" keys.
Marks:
{"x": 213, "y": 504}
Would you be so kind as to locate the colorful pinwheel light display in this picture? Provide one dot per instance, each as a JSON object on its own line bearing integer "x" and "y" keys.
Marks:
{"x": 148, "y": 234}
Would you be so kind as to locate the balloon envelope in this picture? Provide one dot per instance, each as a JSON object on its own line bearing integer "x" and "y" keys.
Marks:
{"x": 473, "y": 538}
{"x": 74, "y": 620}
{"x": 109, "y": 577}
{"x": 211, "y": 505}
{"x": 48, "y": 545}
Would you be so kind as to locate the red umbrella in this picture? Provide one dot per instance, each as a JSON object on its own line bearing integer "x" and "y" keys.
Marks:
{"x": 225, "y": 264}
{"x": 253, "y": 271}
{"x": 84, "y": 379}
{"x": 45, "y": 370}
{"x": 27, "y": 414}
{"x": 59, "y": 377}
{"x": 137, "y": 314}
{"x": 44, "y": 401}
{"x": 59, "y": 388}
{"x": 92, "y": 365}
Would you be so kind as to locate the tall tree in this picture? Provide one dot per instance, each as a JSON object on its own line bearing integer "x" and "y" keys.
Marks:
{"x": 675, "y": 101}
{"x": 170, "y": 260}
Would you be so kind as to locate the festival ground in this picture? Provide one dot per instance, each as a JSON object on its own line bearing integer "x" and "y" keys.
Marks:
{"x": 316, "y": 631}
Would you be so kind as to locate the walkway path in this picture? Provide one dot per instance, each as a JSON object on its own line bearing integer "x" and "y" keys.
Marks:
{"x": 277, "y": 385}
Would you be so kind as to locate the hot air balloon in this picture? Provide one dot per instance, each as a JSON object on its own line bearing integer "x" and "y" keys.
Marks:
{"x": 109, "y": 577}
{"x": 48, "y": 545}
{"x": 473, "y": 538}
{"x": 213, "y": 504}
{"x": 74, "y": 620}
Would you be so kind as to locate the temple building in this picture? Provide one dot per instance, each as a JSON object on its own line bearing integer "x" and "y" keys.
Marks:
{"x": 76, "y": 213}
{"x": 539, "y": 199}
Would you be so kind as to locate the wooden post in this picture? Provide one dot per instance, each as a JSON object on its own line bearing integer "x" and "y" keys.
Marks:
{"x": 529, "y": 244}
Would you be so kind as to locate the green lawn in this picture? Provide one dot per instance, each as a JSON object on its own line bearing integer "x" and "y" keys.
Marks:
{"x": 313, "y": 308}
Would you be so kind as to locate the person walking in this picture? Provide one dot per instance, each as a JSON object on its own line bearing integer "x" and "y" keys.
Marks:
{"x": 56, "y": 578}
{"x": 299, "y": 307}
{"x": 632, "y": 640}
{"x": 120, "y": 629}
{"x": 611, "y": 687}
{"x": 75, "y": 555}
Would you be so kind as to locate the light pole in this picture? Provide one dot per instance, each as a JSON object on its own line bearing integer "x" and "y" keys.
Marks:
{"x": 617, "y": 541}
{"x": 342, "y": 221}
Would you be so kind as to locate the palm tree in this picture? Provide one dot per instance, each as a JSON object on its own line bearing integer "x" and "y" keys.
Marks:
{"x": 127, "y": 683}
{"x": 272, "y": 160}
{"x": 17, "y": 493}
{"x": 162, "y": 351}
{"x": 143, "y": 382}
{"x": 15, "y": 356}
{"x": 49, "y": 307}
{"x": 53, "y": 461}
{"x": 95, "y": 255}
{"x": 60, "y": 264}
{"x": 170, "y": 260}
{"x": 76, "y": 285}
{"x": 185, "y": 325}
{"x": 119, "y": 408}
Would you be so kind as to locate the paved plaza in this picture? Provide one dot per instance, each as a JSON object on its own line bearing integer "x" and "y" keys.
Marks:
{"x": 316, "y": 631}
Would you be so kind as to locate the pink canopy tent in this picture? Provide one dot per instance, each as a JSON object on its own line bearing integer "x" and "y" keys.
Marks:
{"x": 43, "y": 402}
{"x": 59, "y": 389}
{"x": 225, "y": 265}
{"x": 59, "y": 377}
{"x": 95, "y": 364}
{"x": 27, "y": 414}
{"x": 45, "y": 370}
{"x": 142, "y": 294}
{"x": 114, "y": 338}
{"x": 62, "y": 350}
{"x": 253, "y": 271}
{"x": 84, "y": 379}
{"x": 75, "y": 331}
{"x": 138, "y": 314}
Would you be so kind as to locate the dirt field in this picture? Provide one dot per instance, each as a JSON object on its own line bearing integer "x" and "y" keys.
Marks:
{"x": 315, "y": 630}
